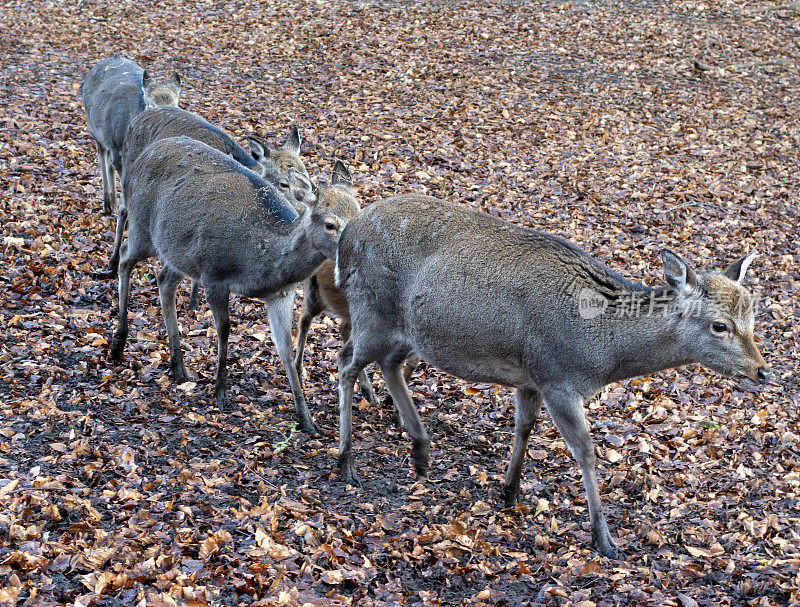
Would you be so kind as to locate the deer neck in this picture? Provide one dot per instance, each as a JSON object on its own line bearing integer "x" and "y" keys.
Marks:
{"x": 298, "y": 257}
{"x": 644, "y": 334}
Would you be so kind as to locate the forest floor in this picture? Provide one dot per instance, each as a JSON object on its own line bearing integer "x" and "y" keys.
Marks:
{"x": 624, "y": 126}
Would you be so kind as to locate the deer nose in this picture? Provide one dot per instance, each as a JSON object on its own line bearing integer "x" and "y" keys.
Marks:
{"x": 763, "y": 375}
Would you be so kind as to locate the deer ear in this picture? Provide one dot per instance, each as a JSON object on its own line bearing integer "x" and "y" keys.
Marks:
{"x": 738, "y": 268}
{"x": 341, "y": 176}
{"x": 677, "y": 272}
{"x": 293, "y": 140}
{"x": 176, "y": 80}
{"x": 147, "y": 80}
{"x": 257, "y": 148}
{"x": 302, "y": 188}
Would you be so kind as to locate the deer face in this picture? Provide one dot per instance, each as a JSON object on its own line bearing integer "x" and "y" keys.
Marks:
{"x": 717, "y": 317}
{"x": 329, "y": 209}
{"x": 274, "y": 164}
{"x": 156, "y": 94}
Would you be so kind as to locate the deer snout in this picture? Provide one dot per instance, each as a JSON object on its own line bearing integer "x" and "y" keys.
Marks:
{"x": 764, "y": 374}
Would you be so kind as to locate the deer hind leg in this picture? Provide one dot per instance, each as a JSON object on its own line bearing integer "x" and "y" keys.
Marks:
{"x": 412, "y": 362}
{"x": 109, "y": 184}
{"x": 102, "y": 160}
{"x": 168, "y": 281}
{"x": 363, "y": 379}
{"x": 566, "y": 409}
{"x": 526, "y": 413}
{"x": 122, "y": 220}
{"x": 218, "y": 302}
{"x": 194, "y": 295}
{"x": 396, "y": 385}
{"x": 130, "y": 257}
{"x": 279, "y": 312}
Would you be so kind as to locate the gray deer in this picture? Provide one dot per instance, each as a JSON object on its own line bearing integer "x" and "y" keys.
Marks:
{"x": 114, "y": 92}
{"x": 492, "y": 302}
{"x": 207, "y": 217}
{"x": 162, "y": 122}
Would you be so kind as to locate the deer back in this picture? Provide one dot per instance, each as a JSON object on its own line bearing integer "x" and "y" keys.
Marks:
{"x": 162, "y": 122}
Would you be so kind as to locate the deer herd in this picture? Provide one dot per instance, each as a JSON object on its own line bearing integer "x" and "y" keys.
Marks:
{"x": 411, "y": 277}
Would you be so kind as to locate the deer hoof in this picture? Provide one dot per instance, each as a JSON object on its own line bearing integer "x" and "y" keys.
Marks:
{"x": 422, "y": 459}
{"x": 117, "y": 346}
{"x": 347, "y": 470}
{"x": 510, "y": 496}
{"x": 221, "y": 398}
{"x": 308, "y": 426}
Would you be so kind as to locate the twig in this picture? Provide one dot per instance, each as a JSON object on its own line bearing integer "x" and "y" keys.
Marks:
{"x": 763, "y": 63}
{"x": 691, "y": 203}
{"x": 16, "y": 359}
{"x": 26, "y": 355}
{"x": 791, "y": 6}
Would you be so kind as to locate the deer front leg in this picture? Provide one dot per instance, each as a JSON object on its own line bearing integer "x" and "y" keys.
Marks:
{"x": 348, "y": 371}
{"x": 279, "y": 313}
{"x": 312, "y": 307}
{"x": 363, "y": 379}
{"x": 566, "y": 409}
{"x": 527, "y": 411}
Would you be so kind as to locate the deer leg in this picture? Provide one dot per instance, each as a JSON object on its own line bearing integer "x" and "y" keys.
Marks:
{"x": 218, "y": 297}
{"x": 363, "y": 379}
{"x": 412, "y": 362}
{"x": 122, "y": 219}
{"x": 349, "y": 368}
{"x": 279, "y": 313}
{"x": 168, "y": 281}
{"x": 527, "y": 411}
{"x": 194, "y": 295}
{"x": 392, "y": 375}
{"x": 102, "y": 159}
{"x": 121, "y": 334}
{"x": 566, "y": 409}
{"x": 109, "y": 195}
{"x": 312, "y": 307}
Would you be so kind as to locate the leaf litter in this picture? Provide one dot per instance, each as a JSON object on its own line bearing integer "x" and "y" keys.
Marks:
{"x": 625, "y": 126}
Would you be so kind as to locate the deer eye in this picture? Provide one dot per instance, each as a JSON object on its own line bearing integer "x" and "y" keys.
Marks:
{"x": 284, "y": 185}
{"x": 331, "y": 227}
{"x": 719, "y": 327}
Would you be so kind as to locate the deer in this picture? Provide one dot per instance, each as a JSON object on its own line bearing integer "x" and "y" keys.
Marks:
{"x": 272, "y": 164}
{"x": 320, "y": 295}
{"x": 205, "y": 216}
{"x": 492, "y": 302}
{"x": 114, "y": 92}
